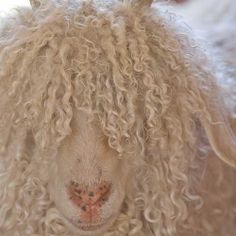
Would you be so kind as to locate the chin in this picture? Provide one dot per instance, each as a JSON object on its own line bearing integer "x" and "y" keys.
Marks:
{"x": 91, "y": 229}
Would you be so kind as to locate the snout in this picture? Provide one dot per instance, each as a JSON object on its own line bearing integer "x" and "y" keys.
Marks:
{"x": 89, "y": 201}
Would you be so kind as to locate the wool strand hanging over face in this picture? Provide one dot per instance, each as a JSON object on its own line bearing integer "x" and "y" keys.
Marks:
{"x": 112, "y": 121}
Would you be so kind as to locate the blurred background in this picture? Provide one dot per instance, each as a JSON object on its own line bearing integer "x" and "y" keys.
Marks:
{"x": 201, "y": 11}
{"x": 7, "y": 5}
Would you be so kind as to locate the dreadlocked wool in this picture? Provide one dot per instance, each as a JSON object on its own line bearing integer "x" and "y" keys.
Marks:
{"x": 152, "y": 93}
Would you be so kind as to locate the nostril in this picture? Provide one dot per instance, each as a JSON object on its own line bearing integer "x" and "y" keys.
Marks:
{"x": 78, "y": 191}
{"x": 89, "y": 196}
{"x": 103, "y": 195}
{"x": 89, "y": 199}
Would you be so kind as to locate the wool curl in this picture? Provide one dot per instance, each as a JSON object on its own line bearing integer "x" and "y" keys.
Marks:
{"x": 133, "y": 69}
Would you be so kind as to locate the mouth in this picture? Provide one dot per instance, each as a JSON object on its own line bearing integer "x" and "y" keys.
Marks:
{"x": 101, "y": 226}
{"x": 92, "y": 227}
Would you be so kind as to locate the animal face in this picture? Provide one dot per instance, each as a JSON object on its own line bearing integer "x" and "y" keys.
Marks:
{"x": 88, "y": 180}
{"x": 100, "y": 112}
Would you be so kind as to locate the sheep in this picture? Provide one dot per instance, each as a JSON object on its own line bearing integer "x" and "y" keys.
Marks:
{"x": 113, "y": 122}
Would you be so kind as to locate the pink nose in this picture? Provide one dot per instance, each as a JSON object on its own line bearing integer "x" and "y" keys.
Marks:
{"x": 89, "y": 199}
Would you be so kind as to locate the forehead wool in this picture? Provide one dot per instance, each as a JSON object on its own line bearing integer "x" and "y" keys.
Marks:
{"x": 113, "y": 63}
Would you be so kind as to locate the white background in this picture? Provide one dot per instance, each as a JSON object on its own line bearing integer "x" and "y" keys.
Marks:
{"x": 6, "y": 5}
